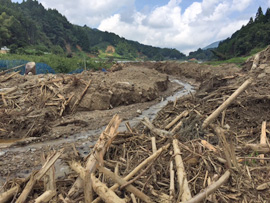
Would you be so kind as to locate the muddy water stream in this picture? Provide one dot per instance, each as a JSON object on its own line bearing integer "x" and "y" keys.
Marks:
{"x": 150, "y": 113}
{"x": 83, "y": 138}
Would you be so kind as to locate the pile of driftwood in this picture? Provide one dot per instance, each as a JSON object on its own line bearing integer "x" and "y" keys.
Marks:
{"x": 152, "y": 164}
{"x": 144, "y": 165}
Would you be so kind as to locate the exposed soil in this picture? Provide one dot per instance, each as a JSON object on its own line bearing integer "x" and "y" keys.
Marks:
{"x": 135, "y": 87}
{"x": 36, "y": 106}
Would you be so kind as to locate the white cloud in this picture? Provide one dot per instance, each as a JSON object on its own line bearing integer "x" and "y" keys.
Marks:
{"x": 240, "y": 5}
{"x": 167, "y": 26}
{"x": 87, "y": 12}
{"x": 170, "y": 25}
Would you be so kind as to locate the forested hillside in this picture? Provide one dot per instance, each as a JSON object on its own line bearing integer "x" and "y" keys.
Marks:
{"x": 29, "y": 24}
{"x": 254, "y": 35}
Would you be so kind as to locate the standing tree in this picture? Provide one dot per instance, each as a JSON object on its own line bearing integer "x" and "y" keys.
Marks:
{"x": 259, "y": 14}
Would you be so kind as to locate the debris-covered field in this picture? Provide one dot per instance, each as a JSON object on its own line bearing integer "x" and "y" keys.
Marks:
{"x": 208, "y": 146}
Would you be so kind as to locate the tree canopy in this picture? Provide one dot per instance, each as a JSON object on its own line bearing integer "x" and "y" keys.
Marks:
{"x": 30, "y": 24}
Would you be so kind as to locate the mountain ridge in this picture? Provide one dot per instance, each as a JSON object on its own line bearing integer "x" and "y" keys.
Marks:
{"x": 30, "y": 24}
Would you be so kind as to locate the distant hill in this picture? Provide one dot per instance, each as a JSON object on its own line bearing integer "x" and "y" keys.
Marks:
{"x": 254, "y": 35}
{"x": 213, "y": 45}
{"x": 204, "y": 54}
{"x": 29, "y": 24}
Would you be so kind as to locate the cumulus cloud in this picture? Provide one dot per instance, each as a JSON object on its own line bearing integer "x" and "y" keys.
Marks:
{"x": 169, "y": 26}
{"x": 87, "y": 12}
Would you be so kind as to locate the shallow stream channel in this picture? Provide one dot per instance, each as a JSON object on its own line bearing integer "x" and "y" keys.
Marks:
{"x": 83, "y": 137}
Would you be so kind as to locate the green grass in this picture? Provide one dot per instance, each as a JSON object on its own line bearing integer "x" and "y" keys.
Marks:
{"x": 61, "y": 64}
{"x": 236, "y": 60}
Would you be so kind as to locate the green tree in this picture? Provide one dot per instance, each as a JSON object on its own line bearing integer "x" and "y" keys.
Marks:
{"x": 259, "y": 14}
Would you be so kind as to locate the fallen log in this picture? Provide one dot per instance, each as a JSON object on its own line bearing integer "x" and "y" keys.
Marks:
{"x": 97, "y": 154}
{"x": 46, "y": 196}
{"x": 177, "y": 118}
{"x": 151, "y": 127}
{"x": 208, "y": 145}
{"x": 223, "y": 106}
{"x": 139, "y": 167}
{"x": 6, "y": 196}
{"x": 104, "y": 192}
{"x": 181, "y": 174}
{"x": 10, "y": 76}
{"x": 6, "y": 71}
{"x": 263, "y": 139}
{"x": 121, "y": 181}
{"x": 210, "y": 189}
{"x": 177, "y": 127}
{"x": 260, "y": 148}
{"x": 172, "y": 190}
{"x": 36, "y": 177}
{"x": 81, "y": 96}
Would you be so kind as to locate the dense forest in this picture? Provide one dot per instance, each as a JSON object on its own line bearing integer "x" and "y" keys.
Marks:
{"x": 201, "y": 54}
{"x": 254, "y": 35}
{"x": 29, "y": 28}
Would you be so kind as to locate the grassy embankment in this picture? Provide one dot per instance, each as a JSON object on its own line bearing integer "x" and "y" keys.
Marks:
{"x": 236, "y": 60}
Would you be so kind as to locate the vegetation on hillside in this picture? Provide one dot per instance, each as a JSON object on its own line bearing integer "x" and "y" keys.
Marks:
{"x": 29, "y": 28}
{"x": 203, "y": 55}
{"x": 247, "y": 41}
{"x": 254, "y": 35}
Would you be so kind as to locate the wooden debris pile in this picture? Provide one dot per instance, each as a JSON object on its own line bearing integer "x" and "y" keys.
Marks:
{"x": 155, "y": 163}
{"x": 201, "y": 148}
{"x": 30, "y": 105}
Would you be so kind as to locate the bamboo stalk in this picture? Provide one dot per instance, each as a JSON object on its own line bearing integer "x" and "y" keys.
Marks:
{"x": 225, "y": 104}
{"x": 181, "y": 174}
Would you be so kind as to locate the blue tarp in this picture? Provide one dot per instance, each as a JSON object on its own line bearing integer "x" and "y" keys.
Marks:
{"x": 41, "y": 68}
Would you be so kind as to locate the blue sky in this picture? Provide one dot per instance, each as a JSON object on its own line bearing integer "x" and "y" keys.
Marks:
{"x": 183, "y": 24}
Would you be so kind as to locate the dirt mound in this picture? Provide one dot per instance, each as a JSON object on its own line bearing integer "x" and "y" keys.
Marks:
{"x": 194, "y": 71}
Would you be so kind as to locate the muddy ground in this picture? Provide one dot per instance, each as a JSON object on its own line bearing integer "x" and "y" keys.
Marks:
{"x": 35, "y": 112}
{"x": 30, "y": 114}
